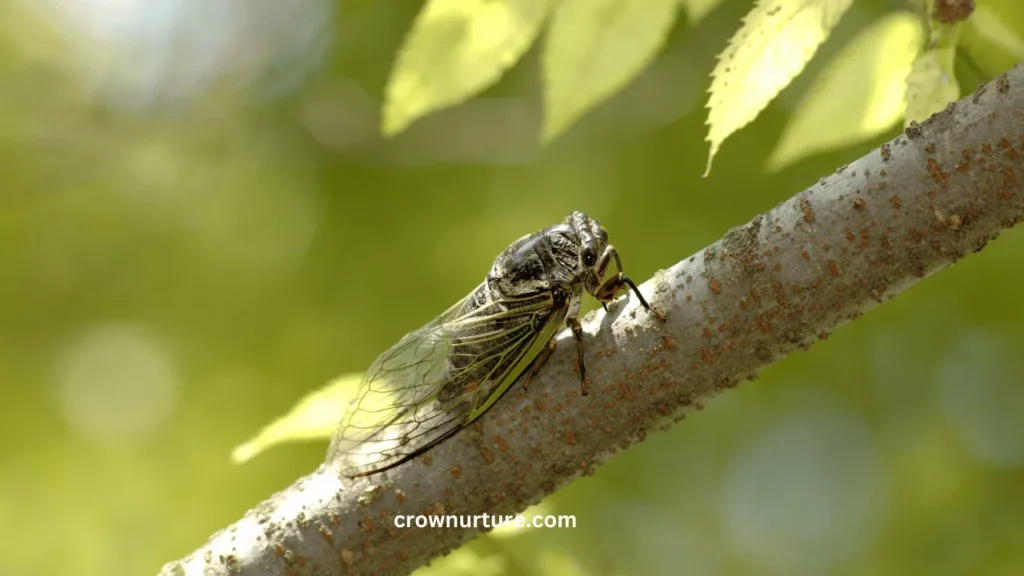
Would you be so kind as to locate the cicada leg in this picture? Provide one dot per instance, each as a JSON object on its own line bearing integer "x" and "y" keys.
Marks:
{"x": 538, "y": 362}
{"x": 577, "y": 331}
{"x": 612, "y": 286}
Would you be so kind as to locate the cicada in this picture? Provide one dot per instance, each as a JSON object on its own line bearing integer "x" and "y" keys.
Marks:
{"x": 443, "y": 376}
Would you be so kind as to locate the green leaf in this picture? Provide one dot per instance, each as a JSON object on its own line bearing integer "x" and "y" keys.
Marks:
{"x": 457, "y": 48}
{"x": 775, "y": 43}
{"x": 314, "y": 417}
{"x": 857, "y": 96}
{"x": 593, "y": 49}
{"x": 932, "y": 83}
{"x": 696, "y": 10}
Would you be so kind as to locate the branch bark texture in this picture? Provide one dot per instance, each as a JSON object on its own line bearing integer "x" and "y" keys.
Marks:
{"x": 855, "y": 239}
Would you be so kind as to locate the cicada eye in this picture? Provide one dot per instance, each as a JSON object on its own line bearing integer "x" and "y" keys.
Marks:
{"x": 589, "y": 258}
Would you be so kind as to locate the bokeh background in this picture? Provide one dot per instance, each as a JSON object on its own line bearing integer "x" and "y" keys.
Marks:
{"x": 199, "y": 224}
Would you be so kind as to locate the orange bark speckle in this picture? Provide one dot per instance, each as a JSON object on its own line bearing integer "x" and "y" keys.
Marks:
{"x": 708, "y": 357}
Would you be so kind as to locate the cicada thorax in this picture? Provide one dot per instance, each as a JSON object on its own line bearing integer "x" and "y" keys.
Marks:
{"x": 545, "y": 260}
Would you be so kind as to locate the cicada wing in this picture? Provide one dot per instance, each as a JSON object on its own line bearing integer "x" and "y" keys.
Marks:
{"x": 394, "y": 401}
{"x": 439, "y": 378}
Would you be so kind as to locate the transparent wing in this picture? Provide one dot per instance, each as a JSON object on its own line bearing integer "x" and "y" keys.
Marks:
{"x": 441, "y": 377}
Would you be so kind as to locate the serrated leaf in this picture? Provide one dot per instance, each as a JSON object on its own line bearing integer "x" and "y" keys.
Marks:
{"x": 457, "y": 48}
{"x": 931, "y": 84}
{"x": 593, "y": 49}
{"x": 696, "y": 10}
{"x": 857, "y": 96}
{"x": 314, "y": 417}
{"x": 775, "y": 43}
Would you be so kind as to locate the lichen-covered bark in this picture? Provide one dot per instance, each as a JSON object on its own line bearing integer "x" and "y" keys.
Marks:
{"x": 858, "y": 237}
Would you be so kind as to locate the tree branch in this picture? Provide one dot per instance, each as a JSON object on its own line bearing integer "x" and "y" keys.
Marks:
{"x": 857, "y": 238}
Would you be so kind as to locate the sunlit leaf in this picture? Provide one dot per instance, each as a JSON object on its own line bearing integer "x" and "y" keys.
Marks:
{"x": 696, "y": 10}
{"x": 932, "y": 81}
{"x": 593, "y": 49}
{"x": 455, "y": 49}
{"x": 931, "y": 84}
{"x": 314, "y": 417}
{"x": 858, "y": 95}
{"x": 777, "y": 39}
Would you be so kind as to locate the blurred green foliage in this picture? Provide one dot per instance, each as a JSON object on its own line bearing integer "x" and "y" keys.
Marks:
{"x": 200, "y": 223}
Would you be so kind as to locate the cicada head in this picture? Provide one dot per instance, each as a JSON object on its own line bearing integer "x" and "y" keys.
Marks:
{"x": 591, "y": 241}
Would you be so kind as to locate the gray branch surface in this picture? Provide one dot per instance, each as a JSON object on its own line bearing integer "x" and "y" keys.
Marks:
{"x": 917, "y": 204}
